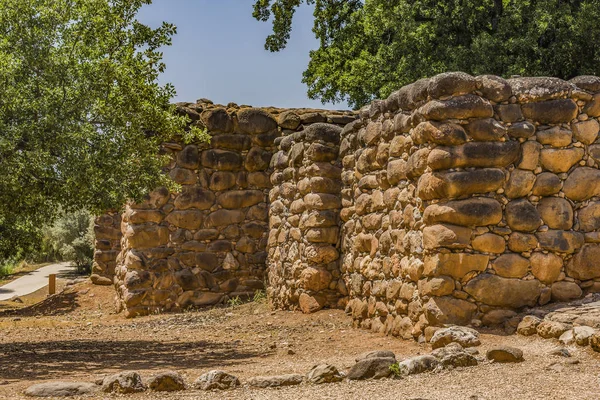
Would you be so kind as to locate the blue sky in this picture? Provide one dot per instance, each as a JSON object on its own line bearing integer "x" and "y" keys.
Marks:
{"x": 218, "y": 54}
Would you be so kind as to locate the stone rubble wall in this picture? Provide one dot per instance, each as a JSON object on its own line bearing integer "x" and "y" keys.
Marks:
{"x": 207, "y": 243}
{"x": 467, "y": 198}
{"x": 107, "y": 230}
{"x": 303, "y": 246}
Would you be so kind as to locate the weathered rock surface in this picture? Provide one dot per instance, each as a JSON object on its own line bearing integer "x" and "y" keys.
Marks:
{"x": 371, "y": 368}
{"x": 324, "y": 373}
{"x": 505, "y": 354}
{"x": 62, "y": 389}
{"x": 168, "y": 381}
{"x": 276, "y": 381}
{"x": 123, "y": 383}
{"x": 216, "y": 379}
{"x": 464, "y": 336}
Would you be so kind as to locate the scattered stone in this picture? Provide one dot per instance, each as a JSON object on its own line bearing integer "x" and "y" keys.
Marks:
{"x": 324, "y": 373}
{"x": 376, "y": 354}
{"x": 216, "y": 379}
{"x": 61, "y": 389}
{"x": 505, "y": 354}
{"x": 123, "y": 383}
{"x": 560, "y": 351}
{"x": 551, "y": 329}
{"x": 168, "y": 381}
{"x": 371, "y": 368}
{"x": 276, "y": 381}
{"x": 462, "y": 335}
{"x": 417, "y": 365}
{"x": 582, "y": 334}
{"x": 528, "y": 326}
{"x": 100, "y": 280}
{"x": 453, "y": 355}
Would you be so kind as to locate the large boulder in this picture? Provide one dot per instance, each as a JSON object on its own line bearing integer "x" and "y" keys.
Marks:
{"x": 478, "y": 211}
{"x": 584, "y": 264}
{"x": 453, "y": 355}
{"x": 494, "y": 290}
{"x": 505, "y": 354}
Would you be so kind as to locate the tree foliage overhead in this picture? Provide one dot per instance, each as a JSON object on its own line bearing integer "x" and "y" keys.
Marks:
{"x": 81, "y": 113}
{"x": 369, "y": 48}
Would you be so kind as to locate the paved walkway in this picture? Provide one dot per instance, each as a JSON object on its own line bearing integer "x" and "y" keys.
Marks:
{"x": 34, "y": 280}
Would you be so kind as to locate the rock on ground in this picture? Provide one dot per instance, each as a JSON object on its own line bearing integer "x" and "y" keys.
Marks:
{"x": 417, "y": 365}
{"x": 453, "y": 355}
{"x": 505, "y": 354}
{"x": 371, "y": 368}
{"x": 551, "y": 329}
{"x": 123, "y": 383}
{"x": 216, "y": 379}
{"x": 376, "y": 354}
{"x": 276, "y": 381}
{"x": 167, "y": 381}
{"x": 324, "y": 373}
{"x": 61, "y": 389}
{"x": 462, "y": 335}
{"x": 528, "y": 326}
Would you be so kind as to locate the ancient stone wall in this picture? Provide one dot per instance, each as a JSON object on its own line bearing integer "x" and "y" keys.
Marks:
{"x": 303, "y": 246}
{"x": 457, "y": 200}
{"x": 107, "y": 230}
{"x": 467, "y": 198}
{"x": 207, "y": 243}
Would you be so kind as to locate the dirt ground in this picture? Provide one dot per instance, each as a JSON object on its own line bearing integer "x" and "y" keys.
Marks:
{"x": 84, "y": 339}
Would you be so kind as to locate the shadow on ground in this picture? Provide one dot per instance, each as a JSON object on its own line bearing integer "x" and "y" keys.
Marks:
{"x": 55, "y": 359}
{"x": 59, "y": 304}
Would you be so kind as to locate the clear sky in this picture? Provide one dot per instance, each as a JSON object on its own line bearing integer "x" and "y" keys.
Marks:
{"x": 218, "y": 53}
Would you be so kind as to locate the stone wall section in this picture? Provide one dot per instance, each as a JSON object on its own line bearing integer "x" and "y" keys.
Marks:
{"x": 107, "y": 230}
{"x": 467, "y": 198}
{"x": 207, "y": 243}
{"x": 303, "y": 246}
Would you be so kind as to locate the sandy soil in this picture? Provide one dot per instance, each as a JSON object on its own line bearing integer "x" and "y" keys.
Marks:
{"x": 84, "y": 339}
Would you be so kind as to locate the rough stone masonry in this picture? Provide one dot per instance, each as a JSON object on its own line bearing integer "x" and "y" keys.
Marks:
{"x": 458, "y": 198}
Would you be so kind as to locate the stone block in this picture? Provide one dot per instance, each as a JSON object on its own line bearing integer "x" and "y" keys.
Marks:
{"x": 443, "y": 235}
{"x": 444, "y": 310}
{"x": 456, "y": 265}
{"x": 486, "y": 130}
{"x": 450, "y": 185}
{"x": 546, "y": 184}
{"x": 255, "y": 121}
{"x": 556, "y": 212}
{"x": 194, "y": 197}
{"x": 546, "y": 267}
{"x": 446, "y": 134}
{"x": 586, "y": 131}
{"x": 511, "y": 265}
{"x": 494, "y": 290}
{"x": 582, "y": 184}
{"x": 187, "y": 219}
{"x": 521, "y": 215}
{"x": 584, "y": 264}
{"x": 551, "y": 112}
{"x": 560, "y": 241}
{"x": 459, "y": 107}
{"x": 474, "y": 154}
{"x": 555, "y": 137}
{"x": 478, "y": 211}
{"x": 489, "y": 243}
{"x": 236, "y": 199}
{"x": 560, "y": 160}
{"x": 565, "y": 291}
{"x": 222, "y": 160}
{"x": 519, "y": 184}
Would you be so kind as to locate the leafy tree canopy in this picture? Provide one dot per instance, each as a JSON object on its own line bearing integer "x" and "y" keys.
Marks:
{"x": 81, "y": 113}
{"x": 369, "y": 48}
